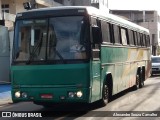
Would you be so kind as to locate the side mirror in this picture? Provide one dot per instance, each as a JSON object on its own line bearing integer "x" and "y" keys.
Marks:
{"x": 96, "y": 34}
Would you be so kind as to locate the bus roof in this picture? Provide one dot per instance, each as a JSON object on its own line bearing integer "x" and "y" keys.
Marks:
{"x": 116, "y": 19}
{"x": 73, "y": 10}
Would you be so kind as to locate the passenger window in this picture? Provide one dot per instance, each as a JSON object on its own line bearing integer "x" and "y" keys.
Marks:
{"x": 144, "y": 39}
{"x": 135, "y": 38}
{"x": 124, "y": 36}
{"x": 138, "y": 38}
{"x": 93, "y": 21}
{"x": 105, "y": 32}
{"x": 148, "y": 40}
{"x": 131, "y": 37}
{"x": 116, "y": 34}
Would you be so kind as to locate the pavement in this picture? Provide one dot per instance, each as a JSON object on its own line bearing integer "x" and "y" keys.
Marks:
{"x": 5, "y": 94}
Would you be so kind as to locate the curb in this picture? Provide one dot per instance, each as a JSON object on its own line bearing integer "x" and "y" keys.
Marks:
{"x": 7, "y": 102}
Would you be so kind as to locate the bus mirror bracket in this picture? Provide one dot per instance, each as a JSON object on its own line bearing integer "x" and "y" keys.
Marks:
{"x": 96, "y": 34}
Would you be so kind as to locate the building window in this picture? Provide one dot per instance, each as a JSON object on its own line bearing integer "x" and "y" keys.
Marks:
{"x": 5, "y": 8}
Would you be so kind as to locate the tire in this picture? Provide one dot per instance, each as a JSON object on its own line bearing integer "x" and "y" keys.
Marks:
{"x": 136, "y": 87}
{"x": 141, "y": 84}
{"x": 142, "y": 78}
{"x": 105, "y": 95}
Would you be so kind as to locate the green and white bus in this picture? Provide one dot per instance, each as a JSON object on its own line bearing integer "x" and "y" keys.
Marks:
{"x": 76, "y": 55}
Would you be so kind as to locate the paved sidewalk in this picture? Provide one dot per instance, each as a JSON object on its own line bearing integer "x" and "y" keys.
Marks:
{"x": 5, "y": 94}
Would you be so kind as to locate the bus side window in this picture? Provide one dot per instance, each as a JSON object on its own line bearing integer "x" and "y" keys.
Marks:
{"x": 105, "y": 32}
{"x": 135, "y": 38}
{"x": 93, "y": 21}
{"x": 111, "y": 33}
{"x": 138, "y": 36}
{"x": 124, "y": 36}
{"x": 116, "y": 34}
{"x": 131, "y": 37}
{"x": 148, "y": 40}
{"x": 144, "y": 40}
{"x": 96, "y": 22}
{"x": 141, "y": 40}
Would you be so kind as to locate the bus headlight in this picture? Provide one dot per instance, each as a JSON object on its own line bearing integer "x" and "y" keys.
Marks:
{"x": 17, "y": 94}
{"x": 79, "y": 94}
{"x": 24, "y": 95}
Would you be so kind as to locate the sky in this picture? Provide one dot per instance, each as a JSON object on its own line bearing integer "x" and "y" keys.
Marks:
{"x": 134, "y": 4}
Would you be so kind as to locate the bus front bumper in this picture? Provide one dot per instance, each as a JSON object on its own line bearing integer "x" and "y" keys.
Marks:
{"x": 51, "y": 94}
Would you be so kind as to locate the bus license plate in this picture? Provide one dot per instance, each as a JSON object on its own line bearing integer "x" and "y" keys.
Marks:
{"x": 46, "y": 96}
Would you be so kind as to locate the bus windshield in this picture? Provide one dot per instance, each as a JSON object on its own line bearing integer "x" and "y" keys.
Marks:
{"x": 57, "y": 38}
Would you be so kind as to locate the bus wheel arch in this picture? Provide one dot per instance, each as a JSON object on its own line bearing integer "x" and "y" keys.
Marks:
{"x": 107, "y": 89}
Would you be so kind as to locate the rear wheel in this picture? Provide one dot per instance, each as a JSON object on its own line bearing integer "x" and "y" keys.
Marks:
{"x": 137, "y": 82}
{"x": 105, "y": 95}
{"x": 141, "y": 84}
{"x": 142, "y": 78}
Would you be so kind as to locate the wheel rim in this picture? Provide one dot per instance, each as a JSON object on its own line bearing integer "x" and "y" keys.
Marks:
{"x": 105, "y": 94}
{"x": 137, "y": 81}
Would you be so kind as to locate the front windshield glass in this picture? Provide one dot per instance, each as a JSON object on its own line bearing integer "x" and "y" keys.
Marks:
{"x": 58, "y": 38}
{"x": 155, "y": 59}
{"x": 30, "y": 40}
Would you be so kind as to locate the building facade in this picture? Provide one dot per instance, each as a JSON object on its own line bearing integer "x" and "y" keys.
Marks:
{"x": 149, "y": 19}
{"x": 9, "y": 8}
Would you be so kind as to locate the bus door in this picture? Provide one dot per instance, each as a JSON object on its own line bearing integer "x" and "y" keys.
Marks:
{"x": 96, "y": 63}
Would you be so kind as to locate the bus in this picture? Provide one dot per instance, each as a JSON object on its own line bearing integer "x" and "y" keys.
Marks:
{"x": 76, "y": 54}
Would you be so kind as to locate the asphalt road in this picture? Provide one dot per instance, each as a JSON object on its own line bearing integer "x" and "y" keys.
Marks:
{"x": 145, "y": 100}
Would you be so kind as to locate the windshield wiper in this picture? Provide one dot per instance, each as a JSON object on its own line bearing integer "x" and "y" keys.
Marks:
{"x": 32, "y": 54}
{"x": 60, "y": 56}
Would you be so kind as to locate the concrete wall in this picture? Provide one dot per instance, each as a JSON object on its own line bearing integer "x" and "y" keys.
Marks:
{"x": 19, "y": 6}
{"x": 82, "y": 2}
{"x": 11, "y": 35}
{"x": 0, "y": 11}
{"x": 15, "y": 6}
{"x": 12, "y": 4}
{"x": 4, "y": 55}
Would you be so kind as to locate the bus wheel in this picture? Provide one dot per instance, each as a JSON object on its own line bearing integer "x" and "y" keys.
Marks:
{"x": 137, "y": 82}
{"x": 142, "y": 78}
{"x": 141, "y": 83}
{"x": 105, "y": 95}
